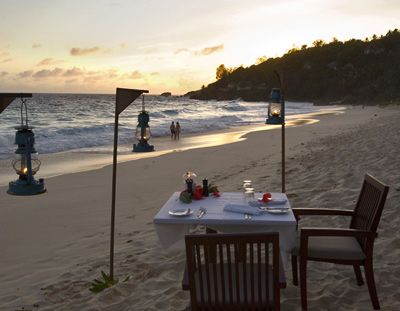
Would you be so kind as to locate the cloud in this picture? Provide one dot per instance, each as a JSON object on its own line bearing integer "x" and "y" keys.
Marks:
{"x": 4, "y": 54}
{"x": 134, "y": 75}
{"x": 84, "y": 51}
{"x": 182, "y": 50}
{"x": 112, "y": 73}
{"x": 6, "y": 60}
{"x": 80, "y": 75}
{"x": 71, "y": 81}
{"x": 45, "y": 73}
{"x": 202, "y": 52}
{"x": 25, "y": 74}
{"x": 3, "y": 74}
{"x": 36, "y": 45}
{"x": 92, "y": 79}
{"x": 49, "y": 61}
{"x": 123, "y": 45}
{"x": 210, "y": 50}
{"x": 73, "y": 72}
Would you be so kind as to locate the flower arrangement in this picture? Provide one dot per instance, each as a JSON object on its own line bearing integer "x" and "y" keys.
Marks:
{"x": 266, "y": 197}
{"x": 197, "y": 193}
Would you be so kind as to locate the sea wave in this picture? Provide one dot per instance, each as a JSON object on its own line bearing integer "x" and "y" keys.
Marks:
{"x": 235, "y": 107}
{"x": 73, "y": 121}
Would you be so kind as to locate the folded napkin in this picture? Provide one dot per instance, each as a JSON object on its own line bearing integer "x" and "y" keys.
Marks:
{"x": 277, "y": 202}
{"x": 242, "y": 208}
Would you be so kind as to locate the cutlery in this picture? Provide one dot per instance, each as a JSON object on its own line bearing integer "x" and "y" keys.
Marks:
{"x": 202, "y": 212}
{"x": 281, "y": 209}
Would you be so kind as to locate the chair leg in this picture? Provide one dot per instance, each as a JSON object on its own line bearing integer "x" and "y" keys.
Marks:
{"x": 358, "y": 274}
{"x": 303, "y": 282}
{"x": 294, "y": 271}
{"x": 369, "y": 276}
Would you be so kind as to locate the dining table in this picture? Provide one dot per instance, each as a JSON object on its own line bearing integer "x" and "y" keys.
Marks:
{"x": 212, "y": 212}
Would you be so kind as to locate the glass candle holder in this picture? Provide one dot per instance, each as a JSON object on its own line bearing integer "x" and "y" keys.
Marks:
{"x": 247, "y": 184}
{"x": 249, "y": 195}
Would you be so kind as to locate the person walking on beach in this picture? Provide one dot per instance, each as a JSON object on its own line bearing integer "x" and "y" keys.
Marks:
{"x": 177, "y": 130}
{"x": 172, "y": 129}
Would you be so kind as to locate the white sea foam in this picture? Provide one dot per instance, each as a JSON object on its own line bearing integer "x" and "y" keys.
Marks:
{"x": 73, "y": 121}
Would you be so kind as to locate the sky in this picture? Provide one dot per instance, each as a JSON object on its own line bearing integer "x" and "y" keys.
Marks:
{"x": 94, "y": 46}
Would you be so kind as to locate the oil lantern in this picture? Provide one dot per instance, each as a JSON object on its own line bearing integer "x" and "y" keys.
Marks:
{"x": 26, "y": 162}
{"x": 143, "y": 133}
{"x": 276, "y": 108}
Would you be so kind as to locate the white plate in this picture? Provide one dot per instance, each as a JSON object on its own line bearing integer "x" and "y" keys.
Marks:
{"x": 278, "y": 201}
{"x": 277, "y": 210}
{"x": 181, "y": 212}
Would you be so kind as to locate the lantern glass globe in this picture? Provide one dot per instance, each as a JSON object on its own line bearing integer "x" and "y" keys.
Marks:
{"x": 275, "y": 109}
{"x": 146, "y": 133}
{"x": 20, "y": 164}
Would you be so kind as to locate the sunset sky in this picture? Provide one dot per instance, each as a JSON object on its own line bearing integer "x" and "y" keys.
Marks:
{"x": 94, "y": 46}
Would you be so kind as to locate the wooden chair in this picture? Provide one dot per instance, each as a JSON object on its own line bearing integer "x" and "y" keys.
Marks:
{"x": 231, "y": 280}
{"x": 353, "y": 246}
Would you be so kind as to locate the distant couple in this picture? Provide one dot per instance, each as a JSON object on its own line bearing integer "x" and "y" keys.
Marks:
{"x": 175, "y": 130}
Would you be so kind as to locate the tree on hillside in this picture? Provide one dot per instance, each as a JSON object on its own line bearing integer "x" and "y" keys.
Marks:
{"x": 261, "y": 59}
{"x": 352, "y": 71}
{"x": 318, "y": 43}
{"x": 222, "y": 71}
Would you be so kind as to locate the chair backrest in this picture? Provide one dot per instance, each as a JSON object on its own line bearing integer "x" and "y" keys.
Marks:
{"x": 233, "y": 271}
{"x": 371, "y": 200}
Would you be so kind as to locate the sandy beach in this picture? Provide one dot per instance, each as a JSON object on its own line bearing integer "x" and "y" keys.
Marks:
{"x": 53, "y": 245}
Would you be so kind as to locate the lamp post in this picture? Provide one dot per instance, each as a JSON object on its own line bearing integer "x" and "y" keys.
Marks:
{"x": 276, "y": 116}
{"x": 143, "y": 132}
{"x": 26, "y": 163}
{"x": 124, "y": 98}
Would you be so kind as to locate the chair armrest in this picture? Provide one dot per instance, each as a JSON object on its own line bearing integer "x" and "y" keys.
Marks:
{"x": 316, "y": 231}
{"x": 322, "y": 211}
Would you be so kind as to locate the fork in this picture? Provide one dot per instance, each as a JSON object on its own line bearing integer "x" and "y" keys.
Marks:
{"x": 202, "y": 212}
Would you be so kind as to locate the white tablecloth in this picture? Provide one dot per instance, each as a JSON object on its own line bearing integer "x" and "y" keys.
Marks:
{"x": 171, "y": 230}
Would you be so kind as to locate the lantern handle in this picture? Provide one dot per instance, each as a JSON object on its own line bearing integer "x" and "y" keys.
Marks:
{"x": 143, "y": 103}
{"x": 23, "y": 103}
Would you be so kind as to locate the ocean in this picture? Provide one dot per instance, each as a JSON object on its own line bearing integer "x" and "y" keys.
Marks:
{"x": 64, "y": 122}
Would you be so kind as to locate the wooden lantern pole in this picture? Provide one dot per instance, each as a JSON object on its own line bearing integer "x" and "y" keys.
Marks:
{"x": 123, "y": 99}
{"x": 283, "y": 131}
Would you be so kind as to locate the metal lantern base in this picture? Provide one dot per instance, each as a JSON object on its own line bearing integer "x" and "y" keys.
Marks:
{"x": 142, "y": 147}
{"x": 274, "y": 121}
{"x": 23, "y": 187}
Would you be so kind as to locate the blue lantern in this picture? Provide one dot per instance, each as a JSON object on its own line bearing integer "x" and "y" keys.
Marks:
{"x": 276, "y": 108}
{"x": 143, "y": 133}
{"x": 26, "y": 162}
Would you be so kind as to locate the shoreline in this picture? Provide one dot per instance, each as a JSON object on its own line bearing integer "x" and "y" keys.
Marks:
{"x": 53, "y": 245}
{"x": 87, "y": 159}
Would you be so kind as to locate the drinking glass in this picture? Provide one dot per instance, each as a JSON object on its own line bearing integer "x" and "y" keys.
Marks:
{"x": 249, "y": 195}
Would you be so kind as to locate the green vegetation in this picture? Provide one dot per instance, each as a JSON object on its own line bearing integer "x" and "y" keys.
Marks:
{"x": 354, "y": 71}
{"x": 99, "y": 285}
